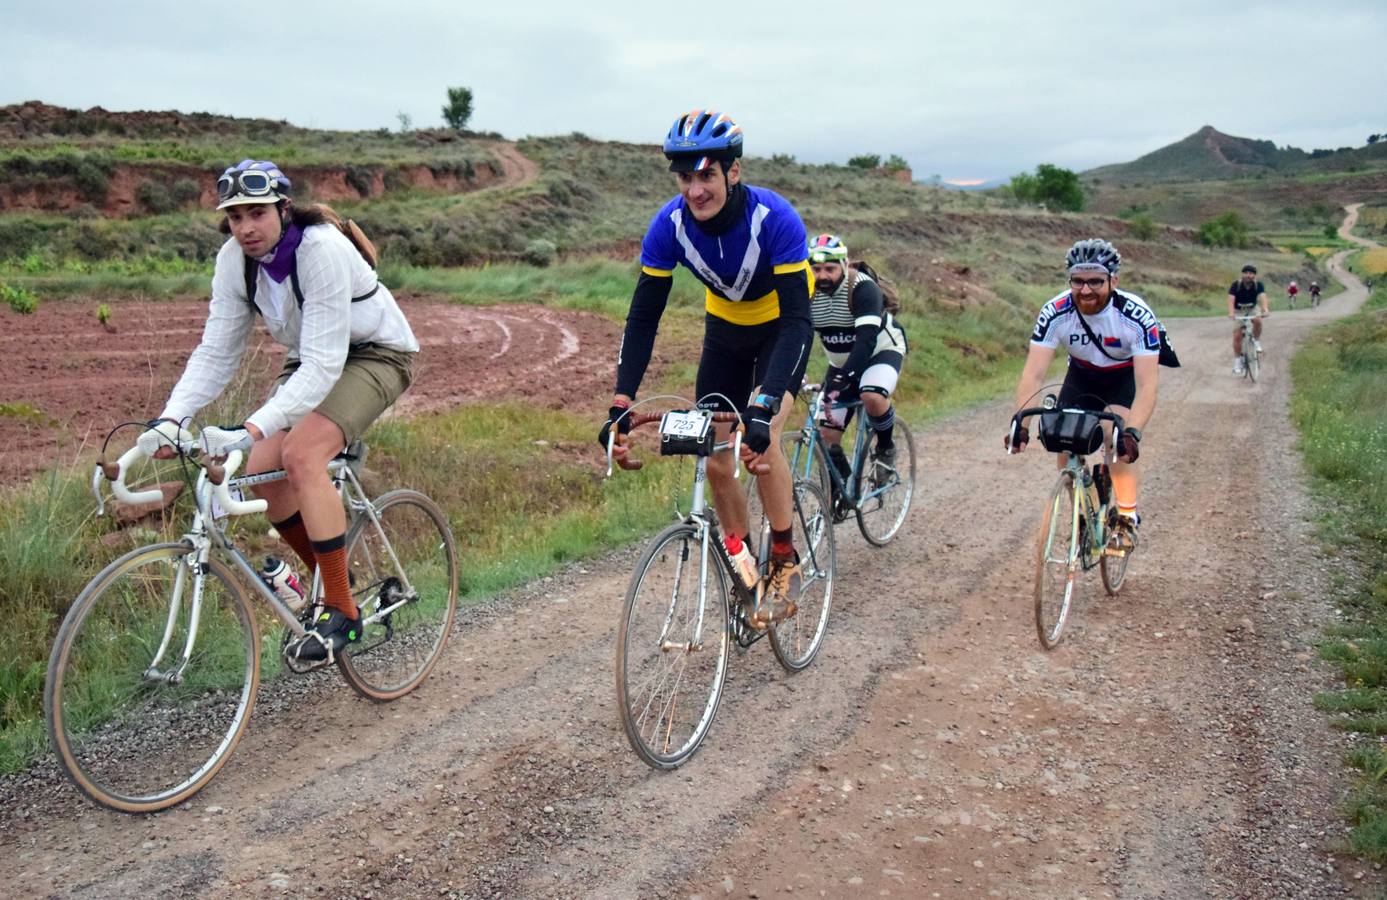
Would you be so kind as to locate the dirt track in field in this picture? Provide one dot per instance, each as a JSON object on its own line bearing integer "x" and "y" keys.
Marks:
{"x": 68, "y": 380}
{"x": 1167, "y": 749}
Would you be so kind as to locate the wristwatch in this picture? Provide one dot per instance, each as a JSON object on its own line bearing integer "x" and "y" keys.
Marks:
{"x": 767, "y": 402}
{"x": 1134, "y": 432}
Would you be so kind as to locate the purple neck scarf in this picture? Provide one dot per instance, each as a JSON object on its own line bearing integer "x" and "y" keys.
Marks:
{"x": 280, "y": 260}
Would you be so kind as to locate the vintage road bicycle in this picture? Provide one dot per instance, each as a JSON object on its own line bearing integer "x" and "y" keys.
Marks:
{"x": 686, "y": 606}
{"x": 877, "y": 494}
{"x": 1080, "y": 527}
{"x": 1251, "y": 356}
{"x": 155, "y": 669}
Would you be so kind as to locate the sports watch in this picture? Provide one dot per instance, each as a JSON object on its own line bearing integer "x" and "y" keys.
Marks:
{"x": 766, "y": 401}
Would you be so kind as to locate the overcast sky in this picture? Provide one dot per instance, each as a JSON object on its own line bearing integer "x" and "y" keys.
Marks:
{"x": 976, "y": 89}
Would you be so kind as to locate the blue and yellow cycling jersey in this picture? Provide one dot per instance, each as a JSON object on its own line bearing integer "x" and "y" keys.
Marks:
{"x": 737, "y": 267}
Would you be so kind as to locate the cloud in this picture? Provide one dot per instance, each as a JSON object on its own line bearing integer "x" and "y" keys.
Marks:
{"x": 980, "y": 89}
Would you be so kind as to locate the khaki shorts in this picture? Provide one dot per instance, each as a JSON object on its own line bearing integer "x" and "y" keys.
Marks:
{"x": 372, "y": 378}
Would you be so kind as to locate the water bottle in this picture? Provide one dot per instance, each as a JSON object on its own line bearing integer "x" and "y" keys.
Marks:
{"x": 282, "y": 580}
{"x": 742, "y": 562}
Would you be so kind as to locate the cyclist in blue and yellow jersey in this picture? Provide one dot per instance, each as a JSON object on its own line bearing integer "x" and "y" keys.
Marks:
{"x": 747, "y": 246}
{"x": 1113, "y": 341}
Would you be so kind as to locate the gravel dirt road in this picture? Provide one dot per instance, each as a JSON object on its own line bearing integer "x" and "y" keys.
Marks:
{"x": 1168, "y": 748}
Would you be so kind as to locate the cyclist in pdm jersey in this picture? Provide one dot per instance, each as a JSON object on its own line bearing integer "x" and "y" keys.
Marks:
{"x": 747, "y": 246}
{"x": 1113, "y": 341}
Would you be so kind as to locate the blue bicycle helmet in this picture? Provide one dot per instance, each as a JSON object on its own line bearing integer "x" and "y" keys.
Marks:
{"x": 699, "y": 138}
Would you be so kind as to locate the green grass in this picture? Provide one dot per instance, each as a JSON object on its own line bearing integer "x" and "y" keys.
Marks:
{"x": 1340, "y": 377}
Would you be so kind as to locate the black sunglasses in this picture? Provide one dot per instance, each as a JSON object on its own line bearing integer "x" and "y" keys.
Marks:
{"x": 1092, "y": 284}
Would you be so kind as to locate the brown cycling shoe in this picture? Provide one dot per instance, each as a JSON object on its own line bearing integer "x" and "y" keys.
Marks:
{"x": 776, "y": 593}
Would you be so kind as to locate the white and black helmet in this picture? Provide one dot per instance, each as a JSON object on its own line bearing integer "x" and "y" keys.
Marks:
{"x": 1093, "y": 255}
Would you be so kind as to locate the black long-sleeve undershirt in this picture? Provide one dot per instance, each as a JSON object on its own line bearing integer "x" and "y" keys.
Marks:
{"x": 642, "y": 322}
{"x": 866, "y": 301}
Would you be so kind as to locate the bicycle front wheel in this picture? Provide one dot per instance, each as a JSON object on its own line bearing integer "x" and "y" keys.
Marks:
{"x": 404, "y": 574}
{"x": 671, "y": 648}
{"x": 1252, "y": 360}
{"x": 888, "y": 491}
{"x": 1057, "y": 562}
{"x": 136, "y": 725}
{"x": 796, "y": 640}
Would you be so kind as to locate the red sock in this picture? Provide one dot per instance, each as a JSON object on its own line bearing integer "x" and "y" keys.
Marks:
{"x": 293, "y": 533}
{"x": 332, "y": 566}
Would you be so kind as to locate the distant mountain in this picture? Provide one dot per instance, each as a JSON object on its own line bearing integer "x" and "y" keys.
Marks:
{"x": 1209, "y": 154}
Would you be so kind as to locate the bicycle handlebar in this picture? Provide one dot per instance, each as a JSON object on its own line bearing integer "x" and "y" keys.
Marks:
{"x": 640, "y": 419}
{"x": 219, "y": 474}
{"x": 1029, "y": 411}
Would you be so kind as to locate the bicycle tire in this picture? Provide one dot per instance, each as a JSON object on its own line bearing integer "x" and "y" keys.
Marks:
{"x": 397, "y": 652}
{"x": 662, "y": 605}
{"x": 881, "y": 517}
{"x": 1252, "y": 363}
{"x": 1058, "y": 532}
{"x": 795, "y": 448}
{"x": 131, "y": 742}
{"x": 1114, "y": 570}
{"x": 798, "y": 639}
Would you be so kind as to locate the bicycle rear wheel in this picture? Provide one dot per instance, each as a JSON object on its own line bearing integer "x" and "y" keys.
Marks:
{"x": 888, "y": 491}
{"x": 796, "y": 640}
{"x": 797, "y": 449}
{"x": 1057, "y": 563}
{"x": 404, "y": 575}
{"x": 669, "y": 672}
{"x": 137, "y": 730}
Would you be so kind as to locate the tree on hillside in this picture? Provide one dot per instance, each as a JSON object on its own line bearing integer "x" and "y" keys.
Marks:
{"x": 896, "y": 163}
{"x": 1051, "y": 187}
{"x": 459, "y": 108}
{"x": 1227, "y": 230}
{"x": 865, "y": 161}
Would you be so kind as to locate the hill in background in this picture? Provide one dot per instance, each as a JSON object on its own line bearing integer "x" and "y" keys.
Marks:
{"x": 1209, "y": 154}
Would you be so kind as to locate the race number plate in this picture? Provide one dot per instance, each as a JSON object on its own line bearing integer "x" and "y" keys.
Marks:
{"x": 686, "y": 433}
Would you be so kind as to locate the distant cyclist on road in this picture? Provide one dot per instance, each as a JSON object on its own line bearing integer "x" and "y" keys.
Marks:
{"x": 1291, "y": 293}
{"x": 1247, "y": 296}
{"x": 350, "y": 356}
{"x": 865, "y": 345}
{"x": 1314, "y": 293}
{"x": 1113, "y": 341}
{"x": 747, "y": 246}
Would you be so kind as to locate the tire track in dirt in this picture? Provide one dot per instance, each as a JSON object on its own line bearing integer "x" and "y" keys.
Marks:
{"x": 1168, "y": 748}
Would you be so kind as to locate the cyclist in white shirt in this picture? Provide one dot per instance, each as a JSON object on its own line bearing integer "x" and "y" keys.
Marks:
{"x": 1113, "y": 341}
{"x": 350, "y": 356}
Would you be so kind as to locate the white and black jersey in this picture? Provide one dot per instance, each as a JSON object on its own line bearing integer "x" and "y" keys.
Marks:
{"x": 839, "y": 325}
{"x": 1126, "y": 328}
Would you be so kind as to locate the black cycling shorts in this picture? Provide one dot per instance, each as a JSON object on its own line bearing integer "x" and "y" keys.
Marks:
{"x": 1093, "y": 389}
{"x": 735, "y": 360}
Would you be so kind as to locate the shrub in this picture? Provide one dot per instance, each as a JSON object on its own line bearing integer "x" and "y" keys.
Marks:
{"x": 92, "y": 181}
{"x": 1141, "y": 227}
{"x": 1331, "y": 231}
{"x": 185, "y": 191}
{"x": 1227, "y": 230}
{"x": 360, "y": 179}
{"x": 896, "y": 163}
{"x": 540, "y": 252}
{"x": 20, "y": 300}
{"x": 1051, "y": 187}
{"x": 155, "y": 197}
{"x": 865, "y": 161}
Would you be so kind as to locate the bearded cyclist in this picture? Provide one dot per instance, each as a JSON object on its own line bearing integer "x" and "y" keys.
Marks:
{"x": 747, "y": 246}
{"x": 350, "y": 356}
{"x": 1113, "y": 341}
{"x": 865, "y": 345}
{"x": 1247, "y": 296}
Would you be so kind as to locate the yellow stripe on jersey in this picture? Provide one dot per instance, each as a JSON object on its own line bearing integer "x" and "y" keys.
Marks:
{"x": 744, "y": 312}
{"x": 798, "y": 267}
{"x": 658, "y": 273}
